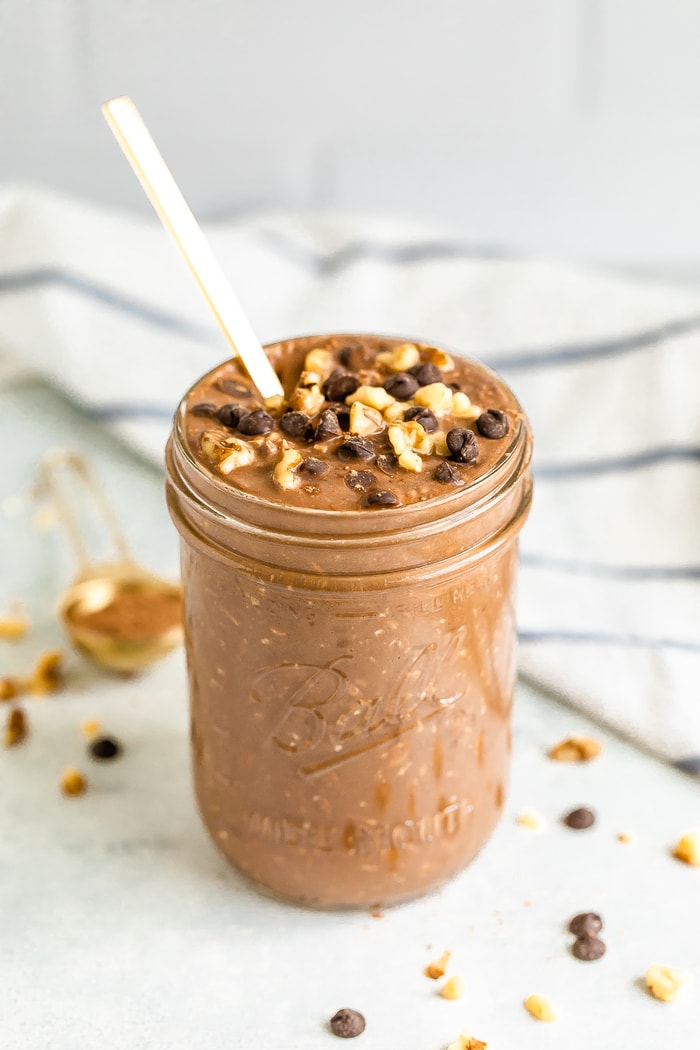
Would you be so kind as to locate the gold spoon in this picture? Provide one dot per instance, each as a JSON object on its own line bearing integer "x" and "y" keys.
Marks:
{"x": 106, "y": 610}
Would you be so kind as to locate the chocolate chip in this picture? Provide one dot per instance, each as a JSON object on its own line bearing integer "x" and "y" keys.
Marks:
{"x": 493, "y": 423}
{"x": 339, "y": 385}
{"x": 448, "y": 473}
{"x": 462, "y": 444}
{"x": 586, "y": 924}
{"x": 426, "y": 373}
{"x": 313, "y": 466}
{"x": 204, "y": 408}
{"x": 588, "y": 949}
{"x": 356, "y": 448}
{"x": 231, "y": 415}
{"x": 328, "y": 426}
{"x": 232, "y": 386}
{"x": 580, "y": 819}
{"x": 401, "y": 385}
{"x": 104, "y": 748}
{"x": 388, "y": 463}
{"x": 381, "y": 498}
{"x": 342, "y": 413}
{"x": 257, "y": 422}
{"x": 355, "y": 356}
{"x": 360, "y": 480}
{"x": 424, "y": 416}
{"x": 294, "y": 423}
{"x": 347, "y": 1023}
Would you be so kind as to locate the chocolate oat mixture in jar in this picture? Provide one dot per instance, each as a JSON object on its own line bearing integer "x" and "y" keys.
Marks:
{"x": 349, "y": 563}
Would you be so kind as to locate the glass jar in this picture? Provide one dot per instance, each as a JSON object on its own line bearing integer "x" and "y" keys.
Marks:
{"x": 351, "y": 678}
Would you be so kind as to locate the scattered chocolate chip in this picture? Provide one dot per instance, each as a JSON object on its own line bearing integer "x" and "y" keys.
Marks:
{"x": 381, "y": 498}
{"x": 104, "y": 748}
{"x": 355, "y": 356}
{"x": 586, "y": 924}
{"x": 342, "y": 413}
{"x": 580, "y": 819}
{"x": 401, "y": 385}
{"x": 339, "y": 385}
{"x": 313, "y": 466}
{"x": 356, "y": 448}
{"x": 493, "y": 423}
{"x": 462, "y": 444}
{"x": 294, "y": 423}
{"x": 347, "y": 1024}
{"x": 233, "y": 386}
{"x": 328, "y": 426}
{"x": 256, "y": 422}
{"x": 448, "y": 473}
{"x": 426, "y": 373}
{"x": 588, "y": 949}
{"x": 204, "y": 408}
{"x": 427, "y": 418}
{"x": 388, "y": 463}
{"x": 360, "y": 480}
{"x": 231, "y": 415}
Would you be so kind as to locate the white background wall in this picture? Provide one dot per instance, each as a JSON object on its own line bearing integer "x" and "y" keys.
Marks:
{"x": 565, "y": 125}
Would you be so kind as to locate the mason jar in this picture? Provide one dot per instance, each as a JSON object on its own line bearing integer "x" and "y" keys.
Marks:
{"x": 351, "y": 676}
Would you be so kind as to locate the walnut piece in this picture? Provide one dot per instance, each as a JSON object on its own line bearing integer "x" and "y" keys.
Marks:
{"x": 410, "y": 460}
{"x": 540, "y": 1008}
{"x": 453, "y": 988}
{"x": 12, "y": 628}
{"x": 665, "y": 982}
{"x": 238, "y": 453}
{"x": 576, "y": 749}
{"x": 435, "y": 396}
{"x": 529, "y": 819}
{"x": 320, "y": 361}
{"x": 283, "y": 473}
{"x": 437, "y": 969}
{"x": 687, "y": 848}
{"x": 9, "y": 688}
{"x": 373, "y": 396}
{"x": 364, "y": 420}
{"x": 467, "y": 1042}
{"x": 47, "y": 676}
{"x": 16, "y": 727}
{"x": 73, "y": 783}
{"x": 401, "y": 358}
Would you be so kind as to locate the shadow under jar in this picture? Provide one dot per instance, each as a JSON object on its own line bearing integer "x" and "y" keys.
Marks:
{"x": 351, "y": 671}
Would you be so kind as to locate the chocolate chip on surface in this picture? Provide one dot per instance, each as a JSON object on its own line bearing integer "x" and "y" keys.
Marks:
{"x": 204, "y": 408}
{"x": 294, "y": 423}
{"x": 448, "y": 473}
{"x": 381, "y": 498}
{"x": 426, "y": 373}
{"x": 493, "y": 423}
{"x": 586, "y": 924}
{"x": 313, "y": 466}
{"x": 462, "y": 444}
{"x": 388, "y": 463}
{"x": 235, "y": 387}
{"x": 401, "y": 385}
{"x": 328, "y": 426}
{"x": 425, "y": 416}
{"x": 231, "y": 415}
{"x": 340, "y": 384}
{"x": 104, "y": 748}
{"x": 356, "y": 448}
{"x": 347, "y": 1023}
{"x": 342, "y": 413}
{"x": 580, "y": 819}
{"x": 360, "y": 480}
{"x": 256, "y": 422}
{"x": 588, "y": 949}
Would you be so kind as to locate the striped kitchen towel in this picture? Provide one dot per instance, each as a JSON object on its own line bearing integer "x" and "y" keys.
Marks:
{"x": 608, "y": 369}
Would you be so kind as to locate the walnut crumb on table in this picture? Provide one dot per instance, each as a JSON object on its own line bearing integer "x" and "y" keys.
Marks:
{"x": 666, "y": 982}
{"x": 453, "y": 988}
{"x": 467, "y": 1042}
{"x": 16, "y": 727}
{"x": 540, "y": 1008}
{"x": 438, "y": 968}
{"x": 529, "y": 819}
{"x": 687, "y": 848}
{"x": 12, "y": 628}
{"x": 576, "y": 749}
{"x": 73, "y": 783}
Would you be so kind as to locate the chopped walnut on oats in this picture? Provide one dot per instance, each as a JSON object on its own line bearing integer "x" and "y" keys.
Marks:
{"x": 365, "y": 420}
{"x": 410, "y": 436}
{"x": 237, "y": 453}
{"x": 393, "y": 413}
{"x": 666, "y": 982}
{"x": 540, "y": 1008}
{"x": 283, "y": 473}
{"x": 309, "y": 379}
{"x": 320, "y": 361}
{"x": 373, "y": 396}
{"x": 212, "y": 445}
{"x": 16, "y": 727}
{"x": 401, "y": 358}
{"x": 453, "y": 988}
{"x": 440, "y": 359}
{"x": 436, "y": 396}
{"x": 437, "y": 969}
{"x": 687, "y": 848}
{"x": 576, "y": 749}
{"x": 309, "y": 400}
{"x": 462, "y": 408}
{"x": 410, "y": 460}
{"x": 47, "y": 676}
{"x": 73, "y": 783}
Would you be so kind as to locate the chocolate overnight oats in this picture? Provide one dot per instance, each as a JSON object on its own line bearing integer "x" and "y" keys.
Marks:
{"x": 349, "y": 562}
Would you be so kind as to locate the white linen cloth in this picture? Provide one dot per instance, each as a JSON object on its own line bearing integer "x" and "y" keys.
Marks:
{"x": 608, "y": 370}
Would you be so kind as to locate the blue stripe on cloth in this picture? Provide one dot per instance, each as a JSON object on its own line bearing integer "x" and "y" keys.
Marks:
{"x": 622, "y": 640}
{"x": 113, "y": 413}
{"x": 689, "y": 765}
{"x": 616, "y": 464}
{"x": 613, "y": 572}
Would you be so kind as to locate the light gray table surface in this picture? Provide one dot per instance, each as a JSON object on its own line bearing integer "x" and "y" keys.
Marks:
{"x": 122, "y": 927}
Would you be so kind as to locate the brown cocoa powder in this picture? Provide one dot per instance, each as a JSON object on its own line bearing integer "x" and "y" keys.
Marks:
{"x": 134, "y": 615}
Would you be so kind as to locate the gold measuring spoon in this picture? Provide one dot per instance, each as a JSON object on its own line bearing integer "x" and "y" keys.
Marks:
{"x": 122, "y": 616}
